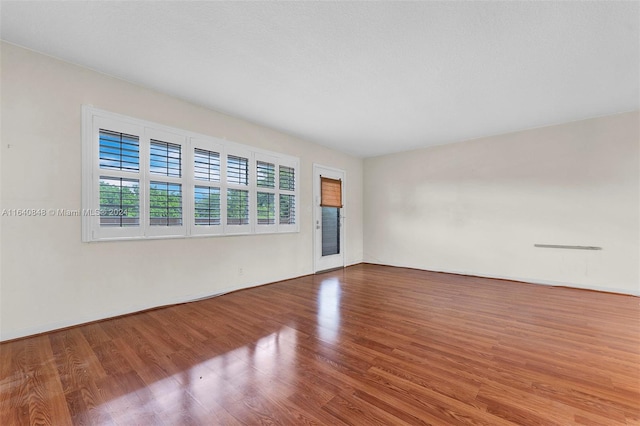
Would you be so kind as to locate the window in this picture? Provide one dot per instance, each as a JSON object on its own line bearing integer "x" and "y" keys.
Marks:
{"x": 237, "y": 170}
{"x": 266, "y": 193}
{"x": 330, "y": 192}
{"x": 239, "y": 214}
{"x": 117, "y": 196}
{"x": 287, "y": 209}
{"x": 266, "y": 183}
{"x": 266, "y": 175}
{"x": 287, "y": 178}
{"x": 287, "y": 196}
{"x": 165, "y": 158}
{"x": 206, "y": 165}
{"x": 165, "y": 198}
{"x": 164, "y": 188}
{"x": 144, "y": 180}
{"x": 121, "y": 152}
{"x": 266, "y": 208}
{"x": 237, "y": 207}
{"x": 165, "y": 204}
{"x": 275, "y": 194}
{"x": 207, "y": 205}
{"x": 207, "y": 215}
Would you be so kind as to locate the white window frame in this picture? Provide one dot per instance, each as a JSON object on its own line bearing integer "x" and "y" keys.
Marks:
{"x": 212, "y": 146}
{"x": 91, "y": 198}
{"x": 164, "y": 136}
{"x": 238, "y": 151}
{"x": 294, "y": 164}
{"x": 94, "y": 119}
{"x": 267, "y": 228}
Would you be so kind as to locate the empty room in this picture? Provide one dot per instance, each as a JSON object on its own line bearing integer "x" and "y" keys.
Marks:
{"x": 320, "y": 213}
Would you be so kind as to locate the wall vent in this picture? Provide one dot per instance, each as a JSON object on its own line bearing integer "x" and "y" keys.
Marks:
{"x": 560, "y": 246}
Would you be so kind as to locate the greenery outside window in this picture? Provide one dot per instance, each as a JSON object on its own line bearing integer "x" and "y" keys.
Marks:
{"x": 146, "y": 180}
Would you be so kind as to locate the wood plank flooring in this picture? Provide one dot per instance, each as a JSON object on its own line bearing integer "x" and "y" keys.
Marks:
{"x": 362, "y": 346}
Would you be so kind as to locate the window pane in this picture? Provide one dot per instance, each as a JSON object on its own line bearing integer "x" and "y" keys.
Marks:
{"x": 206, "y": 165}
{"x": 237, "y": 207}
{"x": 119, "y": 202}
{"x": 165, "y": 204}
{"x": 266, "y": 208}
{"x": 237, "y": 170}
{"x": 165, "y": 159}
{"x": 266, "y": 175}
{"x": 119, "y": 151}
{"x": 287, "y": 178}
{"x": 330, "y": 192}
{"x": 207, "y": 205}
{"x": 287, "y": 209}
{"x": 330, "y": 231}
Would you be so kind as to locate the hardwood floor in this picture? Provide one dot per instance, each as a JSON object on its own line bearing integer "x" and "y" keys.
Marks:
{"x": 365, "y": 345}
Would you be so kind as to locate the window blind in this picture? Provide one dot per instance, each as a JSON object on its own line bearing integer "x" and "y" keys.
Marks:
{"x": 287, "y": 178}
{"x": 207, "y": 205}
{"x": 287, "y": 209}
{"x": 119, "y": 202}
{"x": 237, "y": 207}
{"x": 206, "y": 165}
{"x": 165, "y": 158}
{"x": 237, "y": 170}
{"x": 330, "y": 192}
{"x": 330, "y": 231}
{"x": 266, "y": 208}
{"x": 266, "y": 175}
{"x": 136, "y": 175}
{"x": 165, "y": 204}
{"x": 119, "y": 151}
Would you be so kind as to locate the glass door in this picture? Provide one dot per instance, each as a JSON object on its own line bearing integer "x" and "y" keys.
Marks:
{"x": 328, "y": 218}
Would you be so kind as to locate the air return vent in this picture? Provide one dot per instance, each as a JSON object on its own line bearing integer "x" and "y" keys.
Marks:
{"x": 560, "y": 246}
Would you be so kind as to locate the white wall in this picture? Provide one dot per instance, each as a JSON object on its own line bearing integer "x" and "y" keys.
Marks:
{"x": 50, "y": 279}
{"x": 474, "y": 207}
{"x": 478, "y": 207}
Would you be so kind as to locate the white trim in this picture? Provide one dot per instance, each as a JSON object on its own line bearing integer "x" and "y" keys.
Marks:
{"x": 294, "y": 164}
{"x": 210, "y": 145}
{"x": 536, "y": 281}
{"x": 94, "y": 119}
{"x": 267, "y": 228}
{"x": 95, "y": 123}
{"x": 145, "y": 165}
{"x": 318, "y": 265}
{"x": 57, "y": 325}
{"x": 232, "y": 229}
{"x": 87, "y": 169}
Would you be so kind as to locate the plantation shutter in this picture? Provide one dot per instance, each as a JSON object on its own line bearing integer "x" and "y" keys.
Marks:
{"x": 330, "y": 192}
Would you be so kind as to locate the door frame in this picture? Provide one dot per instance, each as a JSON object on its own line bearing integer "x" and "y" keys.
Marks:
{"x": 317, "y": 217}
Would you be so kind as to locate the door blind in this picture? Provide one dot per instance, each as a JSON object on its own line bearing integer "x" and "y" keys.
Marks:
{"x": 330, "y": 192}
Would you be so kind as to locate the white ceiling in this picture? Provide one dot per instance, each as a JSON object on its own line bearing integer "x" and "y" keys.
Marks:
{"x": 366, "y": 78}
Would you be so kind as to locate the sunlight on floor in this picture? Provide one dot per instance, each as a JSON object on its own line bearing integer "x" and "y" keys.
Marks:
{"x": 329, "y": 310}
{"x": 210, "y": 384}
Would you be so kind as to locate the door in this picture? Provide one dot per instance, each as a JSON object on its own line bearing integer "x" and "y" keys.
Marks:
{"x": 328, "y": 214}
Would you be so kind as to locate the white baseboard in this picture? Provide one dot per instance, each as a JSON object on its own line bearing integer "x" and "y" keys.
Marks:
{"x": 57, "y": 325}
{"x": 521, "y": 279}
{"x": 44, "y": 328}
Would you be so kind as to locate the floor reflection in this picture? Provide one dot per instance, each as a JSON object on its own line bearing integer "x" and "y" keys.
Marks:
{"x": 275, "y": 353}
{"x": 211, "y": 385}
{"x": 329, "y": 309}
